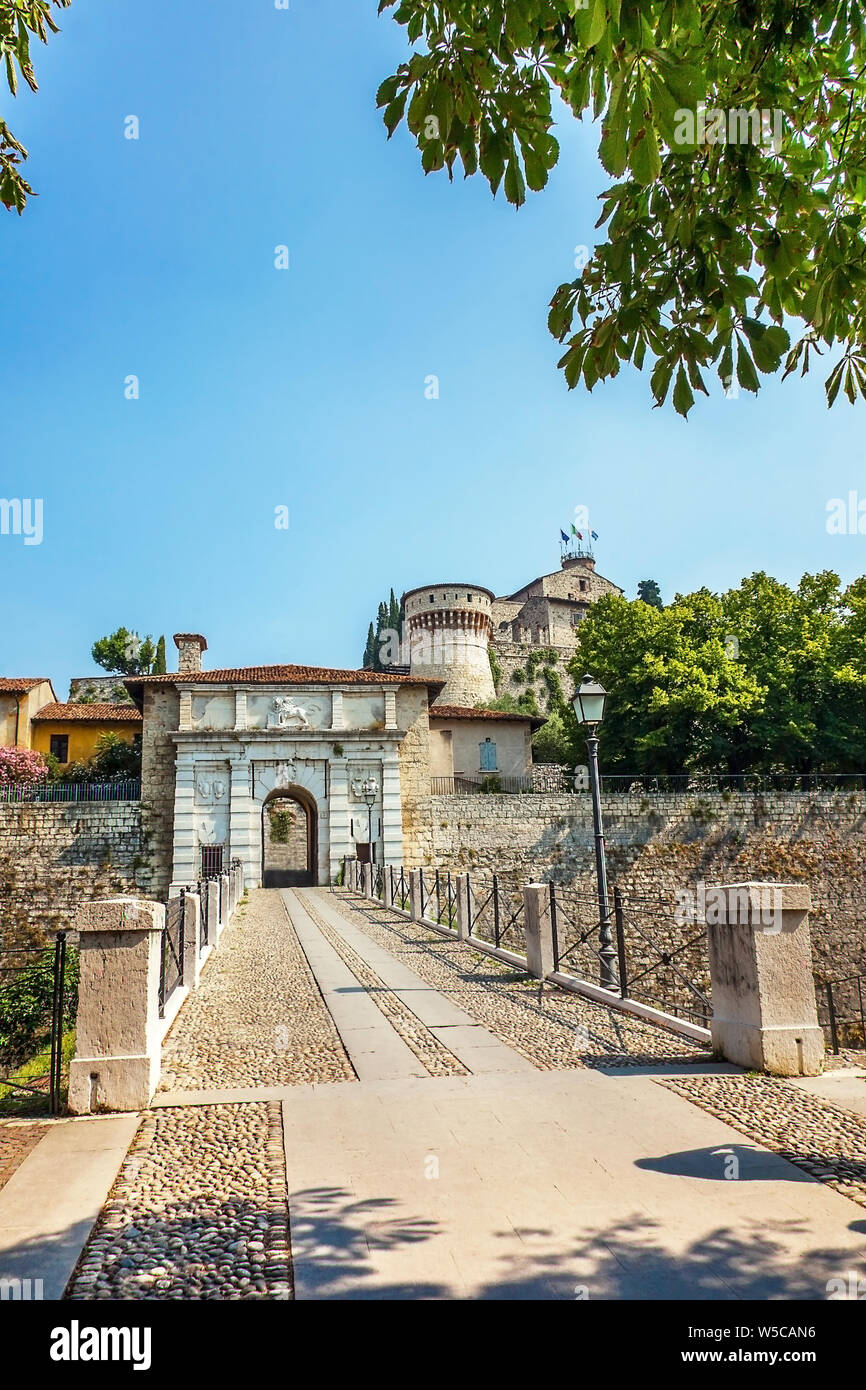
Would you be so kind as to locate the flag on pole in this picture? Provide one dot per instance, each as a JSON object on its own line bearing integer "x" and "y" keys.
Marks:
{"x": 564, "y": 536}
{"x": 574, "y": 532}
{"x": 595, "y": 535}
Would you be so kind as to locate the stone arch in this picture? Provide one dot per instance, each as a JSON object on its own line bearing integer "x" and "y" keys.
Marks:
{"x": 286, "y": 870}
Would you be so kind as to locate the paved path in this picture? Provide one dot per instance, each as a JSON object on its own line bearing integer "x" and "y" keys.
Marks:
{"x": 514, "y": 1183}
{"x": 445, "y": 1129}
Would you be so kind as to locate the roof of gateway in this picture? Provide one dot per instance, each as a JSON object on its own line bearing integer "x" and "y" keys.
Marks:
{"x": 86, "y": 713}
{"x": 19, "y": 685}
{"x": 280, "y": 675}
{"x": 461, "y": 712}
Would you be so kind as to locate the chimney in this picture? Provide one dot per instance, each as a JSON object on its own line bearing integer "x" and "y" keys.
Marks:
{"x": 190, "y": 646}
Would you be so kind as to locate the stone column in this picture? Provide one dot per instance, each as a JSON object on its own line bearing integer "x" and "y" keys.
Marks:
{"x": 392, "y": 808}
{"x": 191, "y": 935}
{"x": 387, "y": 895}
{"x": 538, "y": 929}
{"x": 764, "y": 1012}
{"x": 185, "y": 868}
{"x": 415, "y": 895}
{"x": 367, "y": 880}
{"x": 339, "y": 840}
{"x": 118, "y": 1034}
{"x": 244, "y": 820}
{"x": 337, "y": 718}
{"x": 465, "y": 906}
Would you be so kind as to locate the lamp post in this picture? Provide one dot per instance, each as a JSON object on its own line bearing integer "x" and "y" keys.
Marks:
{"x": 589, "y": 708}
{"x": 369, "y": 791}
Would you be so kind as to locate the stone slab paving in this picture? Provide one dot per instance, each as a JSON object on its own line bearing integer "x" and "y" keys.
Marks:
{"x": 198, "y": 1211}
{"x": 564, "y": 1185}
{"x": 444, "y": 1037}
{"x": 257, "y": 1018}
{"x": 824, "y": 1139}
{"x": 550, "y": 1027}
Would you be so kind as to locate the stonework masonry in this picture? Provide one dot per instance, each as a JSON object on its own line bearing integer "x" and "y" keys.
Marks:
{"x": 663, "y": 844}
{"x": 55, "y": 856}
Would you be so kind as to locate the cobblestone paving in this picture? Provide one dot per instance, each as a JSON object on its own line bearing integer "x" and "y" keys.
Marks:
{"x": 551, "y": 1028}
{"x": 431, "y": 1053}
{"x": 16, "y": 1141}
{"x": 197, "y": 1212}
{"x": 257, "y": 1018}
{"x": 827, "y": 1142}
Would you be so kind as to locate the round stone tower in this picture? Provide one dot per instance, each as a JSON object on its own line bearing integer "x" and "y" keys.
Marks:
{"x": 449, "y": 627}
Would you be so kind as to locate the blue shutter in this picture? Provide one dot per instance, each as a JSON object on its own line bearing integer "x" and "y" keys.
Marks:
{"x": 488, "y": 756}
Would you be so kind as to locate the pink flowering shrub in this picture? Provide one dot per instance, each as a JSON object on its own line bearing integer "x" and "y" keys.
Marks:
{"x": 22, "y": 765}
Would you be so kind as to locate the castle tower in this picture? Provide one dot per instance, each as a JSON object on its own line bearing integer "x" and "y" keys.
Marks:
{"x": 449, "y": 627}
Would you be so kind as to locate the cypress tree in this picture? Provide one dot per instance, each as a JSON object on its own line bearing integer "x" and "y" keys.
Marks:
{"x": 159, "y": 667}
{"x": 370, "y": 650}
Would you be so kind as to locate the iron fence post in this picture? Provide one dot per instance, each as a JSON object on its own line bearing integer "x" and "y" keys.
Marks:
{"x": 607, "y": 954}
{"x": 496, "y": 909}
{"x": 831, "y": 1009}
{"x": 553, "y": 931}
{"x": 620, "y": 941}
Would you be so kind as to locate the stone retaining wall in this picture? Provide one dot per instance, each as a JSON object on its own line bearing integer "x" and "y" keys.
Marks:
{"x": 57, "y": 855}
{"x": 659, "y": 844}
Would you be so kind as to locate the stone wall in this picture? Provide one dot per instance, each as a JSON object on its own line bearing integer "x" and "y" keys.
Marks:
{"x": 658, "y": 845}
{"x": 55, "y": 856}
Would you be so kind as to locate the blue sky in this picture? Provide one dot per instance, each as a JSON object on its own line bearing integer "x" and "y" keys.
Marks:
{"x": 305, "y": 388}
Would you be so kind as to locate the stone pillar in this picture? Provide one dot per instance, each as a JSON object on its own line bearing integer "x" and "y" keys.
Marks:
{"x": 224, "y": 900}
{"x": 240, "y": 710}
{"x": 465, "y": 906}
{"x": 392, "y": 808}
{"x": 337, "y": 718}
{"x": 191, "y": 936}
{"x": 415, "y": 895}
{"x": 213, "y": 908}
{"x": 538, "y": 928}
{"x": 367, "y": 880}
{"x": 118, "y": 1033}
{"x": 244, "y": 819}
{"x": 387, "y": 885}
{"x": 339, "y": 840}
{"x": 184, "y": 868}
{"x": 763, "y": 993}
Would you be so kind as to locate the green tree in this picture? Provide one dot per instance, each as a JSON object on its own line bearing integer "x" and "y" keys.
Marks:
{"x": 18, "y": 20}
{"x": 649, "y": 592}
{"x": 676, "y": 699}
{"x": 126, "y": 652}
{"x": 719, "y": 231}
{"x": 370, "y": 650}
{"x": 159, "y": 666}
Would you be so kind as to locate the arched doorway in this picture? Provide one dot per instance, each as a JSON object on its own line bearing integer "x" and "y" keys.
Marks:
{"x": 290, "y": 839}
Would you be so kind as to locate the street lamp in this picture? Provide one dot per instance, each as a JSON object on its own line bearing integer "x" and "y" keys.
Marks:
{"x": 369, "y": 791}
{"x": 589, "y": 707}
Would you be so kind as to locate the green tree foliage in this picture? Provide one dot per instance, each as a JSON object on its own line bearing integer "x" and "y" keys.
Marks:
{"x": 389, "y": 619}
{"x": 126, "y": 652}
{"x": 718, "y": 231}
{"x": 19, "y": 19}
{"x": 649, "y": 592}
{"x": 159, "y": 666}
{"x": 763, "y": 677}
{"x": 26, "y": 1005}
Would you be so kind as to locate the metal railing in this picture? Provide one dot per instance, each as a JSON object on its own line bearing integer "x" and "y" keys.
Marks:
{"x": 17, "y": 792}
{"x": 662, "y": 962}
{"x": 640, "y": 783}
{"x": 845, "y": 1017}
{"x": 171, "y": 963}
{"x": 574, "y": 927}
{"x": 46, "y": 1032}
{"x": 400, "y": 897}
{"x": 495, "y": 912}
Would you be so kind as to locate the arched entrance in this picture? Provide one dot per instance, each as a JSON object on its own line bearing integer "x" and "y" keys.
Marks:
{"x": 290, "y": 839}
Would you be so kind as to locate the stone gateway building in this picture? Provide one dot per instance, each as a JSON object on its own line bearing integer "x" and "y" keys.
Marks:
{"x": 291, "y": 768}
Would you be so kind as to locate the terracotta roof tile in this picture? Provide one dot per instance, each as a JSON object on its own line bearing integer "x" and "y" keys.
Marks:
{"x": 280, "y": 675}
{"x": 19, "y": 685}
{"x": 83, "y": 713}
{"x": 461, "y": 712}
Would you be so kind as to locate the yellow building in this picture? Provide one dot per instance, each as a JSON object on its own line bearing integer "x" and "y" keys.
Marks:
{"x": 71, "y": 732}
{"x": 21, "y": 697}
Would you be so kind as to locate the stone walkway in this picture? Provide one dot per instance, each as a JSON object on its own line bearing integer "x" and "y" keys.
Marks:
{"x": 443, "y": 1128}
